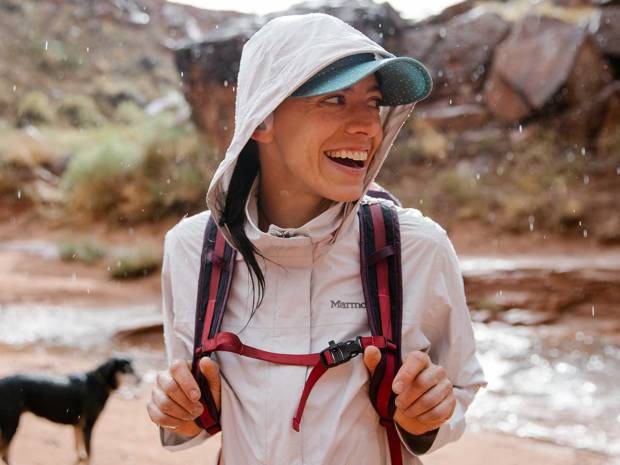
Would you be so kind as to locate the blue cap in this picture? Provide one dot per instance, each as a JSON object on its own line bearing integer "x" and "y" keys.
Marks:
{"x": 401, "y": 79}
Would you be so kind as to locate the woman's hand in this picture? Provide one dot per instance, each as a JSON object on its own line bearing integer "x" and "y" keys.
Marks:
{"x": 175, "y": 396}
{"x": 425, "y": 398}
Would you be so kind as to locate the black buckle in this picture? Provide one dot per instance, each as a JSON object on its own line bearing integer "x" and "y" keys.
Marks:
{"x": 341, "y": 352}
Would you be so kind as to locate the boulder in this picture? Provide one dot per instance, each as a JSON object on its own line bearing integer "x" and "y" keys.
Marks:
{"x": 457, "y": 52}
{"x": 544, "y": 61}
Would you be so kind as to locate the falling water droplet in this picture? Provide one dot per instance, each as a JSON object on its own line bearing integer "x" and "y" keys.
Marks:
{"x": 521, "y": 129}
{"x": 531, "y": 220}
{"x": 46, "y": 45}
{"x": 583, "y": 151}
{"x": 15, "y": 88}
{"x": 19, "y": 194}
{"x": 592, "y": 311}
{"x": 585, "y": 233}
{"x": 225, "y": 83}
{"x": 477, "y": 176}
{"x": 586, "y": 179}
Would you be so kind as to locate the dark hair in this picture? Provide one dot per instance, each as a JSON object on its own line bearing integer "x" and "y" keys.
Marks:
{"x": 246, "y": 170}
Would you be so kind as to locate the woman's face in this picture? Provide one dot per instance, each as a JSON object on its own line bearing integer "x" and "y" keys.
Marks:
{"x": 322, "y": 146}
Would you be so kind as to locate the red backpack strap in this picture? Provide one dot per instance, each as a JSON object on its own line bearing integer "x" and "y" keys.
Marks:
{"x": 382, "y": 283}
{"x": 216, "y": 271}
{"x": 378, "y": 192}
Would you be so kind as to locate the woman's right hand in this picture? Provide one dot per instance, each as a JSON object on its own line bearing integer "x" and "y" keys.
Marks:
{"x": 175, "y": 396}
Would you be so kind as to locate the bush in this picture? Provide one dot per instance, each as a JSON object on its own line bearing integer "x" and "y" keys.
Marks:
{"x": 80, "y": 111}
{"x": 128, "y": 112}
{"x": 97, "y": 177}
{"x": 34, "y": 108}
{"x": 140, "y": 174}
{"x": 85, "y": 250}
{"x": 135, "y": 262}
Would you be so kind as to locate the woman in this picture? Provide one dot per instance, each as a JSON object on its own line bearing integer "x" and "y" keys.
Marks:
{"x": 318, "y": 107}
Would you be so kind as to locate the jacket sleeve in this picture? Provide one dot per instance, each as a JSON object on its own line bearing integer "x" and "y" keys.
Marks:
{"x": 175, "y": 347}
{"x": 446, "y": 325}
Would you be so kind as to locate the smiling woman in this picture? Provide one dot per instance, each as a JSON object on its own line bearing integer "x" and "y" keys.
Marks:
{"x": 318, "y": 108}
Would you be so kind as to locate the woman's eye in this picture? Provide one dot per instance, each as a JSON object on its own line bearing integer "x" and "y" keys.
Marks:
{"x": 375, "y": 102}
{"x": 336, "y": 99}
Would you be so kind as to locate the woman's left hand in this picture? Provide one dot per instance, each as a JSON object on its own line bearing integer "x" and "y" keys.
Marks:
{"x": 425, "y": 398}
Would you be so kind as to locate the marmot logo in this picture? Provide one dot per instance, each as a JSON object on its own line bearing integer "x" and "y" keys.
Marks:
{"x": 341, "y": 304}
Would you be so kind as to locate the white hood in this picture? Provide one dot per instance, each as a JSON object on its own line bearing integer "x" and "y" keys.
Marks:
{"x": 277, "y": 59}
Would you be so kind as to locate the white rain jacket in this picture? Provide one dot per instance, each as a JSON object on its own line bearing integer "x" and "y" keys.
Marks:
{"x": 313, "y": 288}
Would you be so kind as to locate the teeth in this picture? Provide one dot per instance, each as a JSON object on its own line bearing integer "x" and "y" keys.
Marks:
{"x": 354, "y": 155}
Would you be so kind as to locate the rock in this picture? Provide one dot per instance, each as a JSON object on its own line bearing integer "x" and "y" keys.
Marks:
{"x": 605, "y": 29}
{"x": 541, "y": 57}
{"x": 457, "y": 52}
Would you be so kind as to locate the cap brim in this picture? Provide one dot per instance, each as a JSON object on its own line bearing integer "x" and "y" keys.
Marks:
{"x": 402, "y": 80}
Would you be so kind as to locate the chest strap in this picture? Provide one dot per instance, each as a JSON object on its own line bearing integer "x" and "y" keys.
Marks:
{"x": 332, "y": 356}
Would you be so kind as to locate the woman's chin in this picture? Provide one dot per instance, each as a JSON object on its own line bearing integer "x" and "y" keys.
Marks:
{"x": 345, "y": 194}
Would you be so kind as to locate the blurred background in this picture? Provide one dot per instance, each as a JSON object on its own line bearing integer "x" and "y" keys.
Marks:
{"x": 115, "y": 113}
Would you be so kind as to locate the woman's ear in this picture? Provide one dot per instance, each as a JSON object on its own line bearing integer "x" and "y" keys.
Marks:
{"x": 264, "y": 132}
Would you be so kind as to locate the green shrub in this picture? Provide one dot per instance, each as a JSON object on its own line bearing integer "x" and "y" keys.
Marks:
{"x": 98, "y": 178}
{"x": 128, "y": 112}
{"x": 86, "y": 250}
{"x": 80, "y": 111}
{"x": 34, "y": 108}
{"x": 134, "y": 262}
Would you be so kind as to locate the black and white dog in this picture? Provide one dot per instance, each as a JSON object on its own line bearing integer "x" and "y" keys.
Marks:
{"x": 76, "y": 400}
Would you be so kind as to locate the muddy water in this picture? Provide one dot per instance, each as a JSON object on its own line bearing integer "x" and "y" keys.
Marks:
{"x": 544, "y": 383}
{"x": 551, "y": 385}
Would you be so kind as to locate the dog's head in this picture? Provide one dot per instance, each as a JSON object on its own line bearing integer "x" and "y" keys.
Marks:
{"x": 112, "y": 370}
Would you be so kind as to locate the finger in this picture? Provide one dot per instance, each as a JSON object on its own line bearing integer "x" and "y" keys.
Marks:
{"x": 425, "y": 380}
{"x": 171, "y": 389}
{"x": 372, "y": 357}
{"x": 416, "y": 361}
{"x": 440, "y": 413}
{"x": 169, "y": 407}
{"x": 428, "y": 400}
{"x": 182, "y": 374}
{"x": 211, "y": 372}
{"x": 160, "y": 418}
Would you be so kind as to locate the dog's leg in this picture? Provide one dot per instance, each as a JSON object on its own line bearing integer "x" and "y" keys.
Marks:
{"x": 79, "y": 443}
{"x": 87, "y": 431}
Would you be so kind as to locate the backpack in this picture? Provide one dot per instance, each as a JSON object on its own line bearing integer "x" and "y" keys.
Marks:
{"x": 382, "y": 284}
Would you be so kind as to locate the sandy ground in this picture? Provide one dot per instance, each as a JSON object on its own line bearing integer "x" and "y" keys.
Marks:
{"x": 124, "y": 434}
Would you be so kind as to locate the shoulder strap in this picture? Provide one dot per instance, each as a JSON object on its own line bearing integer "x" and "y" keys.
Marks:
{"x": 381, "y": 275}
{"x": 216, "y": 270}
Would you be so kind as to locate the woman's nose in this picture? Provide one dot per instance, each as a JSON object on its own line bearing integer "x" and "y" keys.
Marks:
{"x": 364, "y": 121}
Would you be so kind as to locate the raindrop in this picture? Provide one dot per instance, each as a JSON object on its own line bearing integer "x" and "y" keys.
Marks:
{"x": 499, "y": 170}
{"x": 570, "y": 156}
{"x": 225, "y": 83}
{"x": 583, "y": 151}
{"x": 477, "y": 176}
{"x": 46, "y": 45}
{"x": 586, "y": 179}
{"x": 450, "y": 102}
{"x": 617, "y": 167}
{"x": 87, "y": 49}
{"x": 509, "y": 156}
{"x": 592, "y": 311}
{"x": 181, "y": 74}
{"x": 521, "y": 129}
{"x": 19, "y": 194}
{"x": 585, "y": 233}
{"x": 531, "y": 220}
{"x": 15, "y": 88}
{"x": 421, "y": 201}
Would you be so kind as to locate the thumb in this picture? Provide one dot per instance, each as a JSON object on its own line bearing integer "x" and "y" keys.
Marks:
{"x": 211, "y": 372}
{"x": 372, "y": 357}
